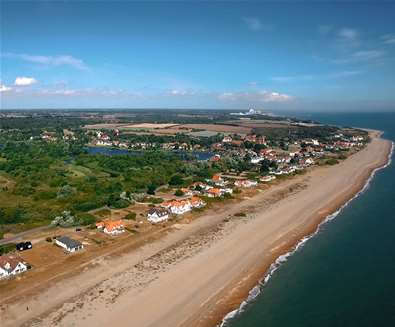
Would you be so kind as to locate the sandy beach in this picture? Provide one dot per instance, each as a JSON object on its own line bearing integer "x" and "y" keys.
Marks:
{"x": 198, "y": 272}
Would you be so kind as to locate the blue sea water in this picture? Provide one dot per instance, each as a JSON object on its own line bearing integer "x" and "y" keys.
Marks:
{"x": 345, "y": 274}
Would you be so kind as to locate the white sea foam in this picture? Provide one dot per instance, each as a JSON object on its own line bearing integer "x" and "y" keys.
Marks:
{"x": 284, "y": 257}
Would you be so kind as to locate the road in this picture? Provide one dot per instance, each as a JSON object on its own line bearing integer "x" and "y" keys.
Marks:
{"x": 24, "y": 235}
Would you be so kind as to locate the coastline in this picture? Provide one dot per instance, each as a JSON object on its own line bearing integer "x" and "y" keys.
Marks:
{"x": 222, "y": 282}
{"x": 257, "y": 289}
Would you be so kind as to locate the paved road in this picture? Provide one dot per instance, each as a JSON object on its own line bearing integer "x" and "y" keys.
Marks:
{"x": 23, "y": 235}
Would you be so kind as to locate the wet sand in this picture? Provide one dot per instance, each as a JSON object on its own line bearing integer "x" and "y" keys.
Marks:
{"x": 203, "y": 270}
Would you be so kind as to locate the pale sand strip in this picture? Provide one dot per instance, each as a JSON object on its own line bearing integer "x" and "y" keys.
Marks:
{"x": 199, "y": 290}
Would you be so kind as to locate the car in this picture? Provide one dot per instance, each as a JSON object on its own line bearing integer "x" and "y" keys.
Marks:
{"x": 22, "y": 246}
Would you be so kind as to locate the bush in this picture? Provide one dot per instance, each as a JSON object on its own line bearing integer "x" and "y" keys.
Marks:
{"x": 151, "y": 189}
{"x": 179, "y": 193}
{"x": 120, "y": 203}
{"x": 131, "y": 216}
{"x": 332, "y": 161}
{"x": 86, "y": 219}
{"x": 86, "y": 206}
{"x": 5, "y": 248}
{"x": 49, "y": 239}
{"x": 240, "y": 214}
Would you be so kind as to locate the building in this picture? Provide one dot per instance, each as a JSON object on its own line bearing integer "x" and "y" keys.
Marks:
{"x": 245, "y": 183}
{"x": 227, "y": 139}
{"x": 177, "y": 207}
{"x": 69, "y": 244}
{"x": 197, "y": 202}
{"x": 214, "y": 192}
{"x": 215, "y": 158}
{"x": 217, "y": 180}
{"x": 11, "y": 265}
{"x": 266, "y": 179}
{"x": 111, "y": 227}
{"x": 157, "y": 215}
{"x": 186, "y": 191}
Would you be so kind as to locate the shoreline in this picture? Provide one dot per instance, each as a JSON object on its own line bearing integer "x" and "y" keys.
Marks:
{"x": 224, "y": 270}
{"x": 257, "y": 289}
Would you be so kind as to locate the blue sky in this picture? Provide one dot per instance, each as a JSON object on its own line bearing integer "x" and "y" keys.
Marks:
{"x": 302, "y": 55}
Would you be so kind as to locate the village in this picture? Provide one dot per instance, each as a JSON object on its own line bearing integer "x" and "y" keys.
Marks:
{"x": 265, "y": 164}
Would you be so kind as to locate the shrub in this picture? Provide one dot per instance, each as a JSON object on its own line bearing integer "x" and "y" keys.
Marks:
{"x": 331, "y": 161}
{"x": 5, "y": 248}
{"x": 240, "y": 214}
{"x": 179, "y": 193}
{"x": 131, "y": 216}
{"x": 86, "y": 219}
{"x": 151, "y": 189}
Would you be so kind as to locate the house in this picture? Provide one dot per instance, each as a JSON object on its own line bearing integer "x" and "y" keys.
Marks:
{"x": 260, "y": 139}
{"x": 245, "y": 183}
{"x": 217, "y": 180}
{"x": 227, "y": 139}
{"x": 250, "y": 138}
{"x": 266, "y": 179}
{"x": 186, "y": 191}
{"x": 69, "y": 244}
{"x": 177, "y": 207}
{"x": 157, "y": 215}
{"x": 111, "y": 227}
{"x": 11, "y": 265}
{"x": 215, "y": 158}
{"x": 197, "y": 202}
{"x": 214, "y": 192}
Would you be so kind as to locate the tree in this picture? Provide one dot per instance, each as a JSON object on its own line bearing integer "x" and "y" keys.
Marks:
{"x": 179, "y": 192}
{"x": 176, "y": 180}
{"x": 151, "y": 189}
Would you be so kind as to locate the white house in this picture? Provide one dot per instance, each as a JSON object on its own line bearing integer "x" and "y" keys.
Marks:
{"x": 69, "y": 244}
{"x": 245, "y": 183}
{"x": 157, "y": 215}
{"x": 177, "y": 207}
{"x": 11, "y": 265}
{"x": 266, "y": 179}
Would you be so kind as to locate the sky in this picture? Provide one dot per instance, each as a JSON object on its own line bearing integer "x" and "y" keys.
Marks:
{"x": 330, "y": 56}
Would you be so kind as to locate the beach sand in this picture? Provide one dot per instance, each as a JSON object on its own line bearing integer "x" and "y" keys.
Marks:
{"x": 201, "y": 271}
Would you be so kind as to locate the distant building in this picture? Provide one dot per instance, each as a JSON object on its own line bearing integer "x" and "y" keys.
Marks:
{"x": 215, "y": 158}
{"x": 69, "y": 244}
{"x": 227, "y": 139}
{"x": 245, "y": 183}
{"x": 11, "y": 265}
{"x": 266, "y": 179}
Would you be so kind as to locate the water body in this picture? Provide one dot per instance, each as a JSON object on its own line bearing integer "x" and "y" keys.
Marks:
{"x": 345, "y": 275}
{"x": 114, "y": 151}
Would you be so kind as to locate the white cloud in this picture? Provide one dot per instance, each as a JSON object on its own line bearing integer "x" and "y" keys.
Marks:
{"x": 348, "y": 34}
{"x": 388, "y": 39}
{"x": 180, "y": 92}
{"x": 61, "y": 60}
{"x": 314, "y": 77}
{"x": 368, "y": 54}
{"x": 24, "y": 81}
{"x": 259, "y": 96}
{"x": 255, "y": 24}
{"x": 4, "y": 88}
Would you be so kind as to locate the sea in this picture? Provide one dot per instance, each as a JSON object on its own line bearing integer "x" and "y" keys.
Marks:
{"x": 344, "y": 274}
